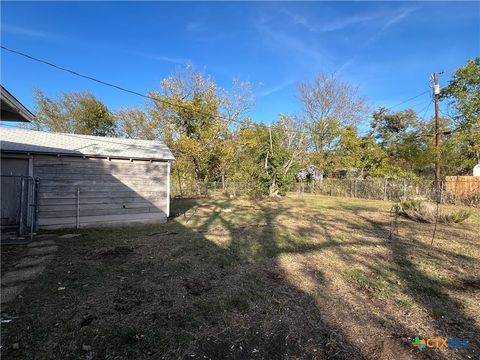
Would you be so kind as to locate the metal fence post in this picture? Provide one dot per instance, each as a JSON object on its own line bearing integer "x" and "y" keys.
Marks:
{"x": 37, "y": 197}
{"x": 78, "y": 207}
{"x": 385, "y": 190}
{"x": 31, "y": 205}
{"x": 22, "y": 202}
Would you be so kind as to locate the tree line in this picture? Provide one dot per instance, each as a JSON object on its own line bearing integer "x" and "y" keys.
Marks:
{"x": 212, "y": 137}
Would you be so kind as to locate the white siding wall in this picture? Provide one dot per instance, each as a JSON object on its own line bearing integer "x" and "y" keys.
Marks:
{"x": 111, "y": 191}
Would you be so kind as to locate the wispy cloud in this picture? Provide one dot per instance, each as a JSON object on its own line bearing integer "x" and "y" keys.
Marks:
{"x": 276, "y": 88}
{"x": 395, "y": 18}
{"x": 334, "y": 25}
{"x": 173, "y": 60}
{"x": 392, "y": 20}
{"x": 288, "y": 43}
{"x": 30, "y": 32}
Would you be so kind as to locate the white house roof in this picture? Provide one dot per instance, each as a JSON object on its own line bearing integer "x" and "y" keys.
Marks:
{"x": 39, "y": 142}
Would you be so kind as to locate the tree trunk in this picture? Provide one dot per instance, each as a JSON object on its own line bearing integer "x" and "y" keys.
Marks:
{"x": 273, "y": 189}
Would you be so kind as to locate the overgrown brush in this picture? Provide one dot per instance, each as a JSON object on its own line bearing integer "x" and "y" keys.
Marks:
{"x": 422, "y": 211}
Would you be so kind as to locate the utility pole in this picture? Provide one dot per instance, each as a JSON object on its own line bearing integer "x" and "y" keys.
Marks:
{"x": 436, "y": 93}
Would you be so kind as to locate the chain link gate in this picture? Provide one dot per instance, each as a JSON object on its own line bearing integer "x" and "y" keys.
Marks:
{"x": 19, "y": 206}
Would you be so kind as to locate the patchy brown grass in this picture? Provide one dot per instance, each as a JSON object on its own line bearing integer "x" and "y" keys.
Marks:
{"x": 302, "y": 277}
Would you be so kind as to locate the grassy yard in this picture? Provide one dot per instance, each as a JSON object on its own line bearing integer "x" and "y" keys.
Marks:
{"x": 302, "y": 277}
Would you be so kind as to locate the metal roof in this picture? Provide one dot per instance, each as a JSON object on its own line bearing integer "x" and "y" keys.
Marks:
{"x": 39, "y": 142}
{"x": 12, "y": 109}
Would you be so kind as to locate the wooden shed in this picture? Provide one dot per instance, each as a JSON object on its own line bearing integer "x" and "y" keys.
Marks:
{"x": 79, "y": 180}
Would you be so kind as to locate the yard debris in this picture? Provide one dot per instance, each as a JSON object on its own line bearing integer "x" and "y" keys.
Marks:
{"x": 164, "y": 233}
{"x": 6, "y": 318}
{"x": 194, "y": 212}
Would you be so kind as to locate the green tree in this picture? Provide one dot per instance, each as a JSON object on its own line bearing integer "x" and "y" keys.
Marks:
{"x": 463, "y": 96}
{"x": 76, "y": 112}
{"x": 134, "y": 123}
{"x": 272, "y": 154}
{"x": 197, "y": 117}
{"x": 406, "y": 140}
{"x": 348, "y": 151}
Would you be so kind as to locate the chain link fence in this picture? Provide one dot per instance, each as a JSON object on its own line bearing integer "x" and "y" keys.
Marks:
{"x": 192, "y": 189}
{"x": 451, "y": 191}
{"x": 458, "y": 191}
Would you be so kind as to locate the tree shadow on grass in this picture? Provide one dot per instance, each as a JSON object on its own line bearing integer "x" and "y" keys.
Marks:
{"x": 432, "y": 294}
{"x": 222, "y": 280}
{"x": 170, "y": 295}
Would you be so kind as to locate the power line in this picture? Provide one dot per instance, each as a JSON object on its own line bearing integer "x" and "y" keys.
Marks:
{"x": 420, "y": 103}
{"x": 426, "y": 110}
{"x": 121, "y": 88}
{"x": 410, "y": 99}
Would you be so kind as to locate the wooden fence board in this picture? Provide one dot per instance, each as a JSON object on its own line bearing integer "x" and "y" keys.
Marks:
{"x": 462, "y": 185}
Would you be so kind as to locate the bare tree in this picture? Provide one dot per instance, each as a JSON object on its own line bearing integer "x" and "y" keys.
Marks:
{"x": 329, "y": 105}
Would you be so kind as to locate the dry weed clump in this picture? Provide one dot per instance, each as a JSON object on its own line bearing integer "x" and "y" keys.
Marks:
{"x": 426, "y": 212}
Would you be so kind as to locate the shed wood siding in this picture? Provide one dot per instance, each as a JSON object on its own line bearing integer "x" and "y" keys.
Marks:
{"x": 111, "y": 191}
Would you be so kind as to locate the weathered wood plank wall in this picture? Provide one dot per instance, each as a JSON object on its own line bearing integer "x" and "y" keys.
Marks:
{"x": 111, "y": 191}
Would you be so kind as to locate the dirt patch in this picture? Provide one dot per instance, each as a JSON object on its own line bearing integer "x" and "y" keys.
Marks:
{"x": 197, "y": 287}
{"x": 129, "y": 298}
{"x": 114, "y": 252}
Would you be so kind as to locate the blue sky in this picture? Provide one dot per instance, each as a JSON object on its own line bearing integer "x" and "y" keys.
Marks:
{"x": 388, "y": 49}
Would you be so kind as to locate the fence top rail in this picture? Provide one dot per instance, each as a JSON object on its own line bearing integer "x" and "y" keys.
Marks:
{"x": 462, "y": 178}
